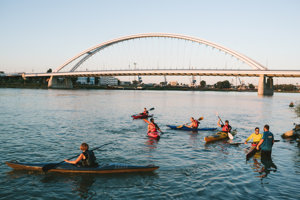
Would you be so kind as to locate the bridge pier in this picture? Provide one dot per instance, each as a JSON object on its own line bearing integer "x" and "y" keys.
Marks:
{"x": 265, "y": 86}
{"x": 60, "y": 83}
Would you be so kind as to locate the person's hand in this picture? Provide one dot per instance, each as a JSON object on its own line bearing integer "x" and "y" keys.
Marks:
{"x": 257, "y": 147}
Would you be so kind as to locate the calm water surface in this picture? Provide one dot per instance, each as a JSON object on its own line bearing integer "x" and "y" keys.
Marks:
{"x": 49, "y": 126}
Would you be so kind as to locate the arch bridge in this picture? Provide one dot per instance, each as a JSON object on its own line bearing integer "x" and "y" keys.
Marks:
{"x": 265, "y": 81}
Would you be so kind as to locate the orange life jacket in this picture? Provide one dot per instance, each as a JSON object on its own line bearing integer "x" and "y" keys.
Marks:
{"x": 152, "y": 128}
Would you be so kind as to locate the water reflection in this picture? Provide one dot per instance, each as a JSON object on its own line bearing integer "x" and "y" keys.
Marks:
{"x": 151, "y": 143}
{"x": 263, "y": 167}
{"x": 268, "y": 166}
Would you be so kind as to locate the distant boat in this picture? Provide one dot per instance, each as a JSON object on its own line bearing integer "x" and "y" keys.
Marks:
{"x": 291, "y": 104}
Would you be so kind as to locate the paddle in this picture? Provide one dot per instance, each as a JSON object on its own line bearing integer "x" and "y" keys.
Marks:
{"x": 229, "y": 134}
{"x": 201, "y": 118}
{"x": 47, "y": 167}
{"x": 237, "y": 143}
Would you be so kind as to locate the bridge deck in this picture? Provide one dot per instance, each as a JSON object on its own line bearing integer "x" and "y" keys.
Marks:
{"x": 179, "y": 72}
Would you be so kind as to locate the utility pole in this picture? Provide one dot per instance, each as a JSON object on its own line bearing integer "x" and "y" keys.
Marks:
{"x": 134, "y": 69}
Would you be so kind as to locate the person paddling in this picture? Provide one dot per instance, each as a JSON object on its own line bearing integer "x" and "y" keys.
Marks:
{"x": 153, "y": 127}
{"x": 226, "y": 127}
{"x": 194, "y": 123}
{"x": 256, "y": 136}
{"x": 266, "y": 143}
{"x": 86, "y": 158}
{"x": 145, "y": 112}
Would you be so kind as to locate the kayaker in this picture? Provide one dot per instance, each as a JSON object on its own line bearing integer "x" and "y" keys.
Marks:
{"x": 194, "y": 123}
{"x": 226, "y": 127}
{"x": 266, "y": 143}
{"x": 86, "y": 158}
{"x": 256, "y": 136}
{"x": 153, "y": 127}
{"x": 145, "y": 112}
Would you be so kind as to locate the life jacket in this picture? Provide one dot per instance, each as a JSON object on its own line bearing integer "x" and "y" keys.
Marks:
{"x": 225, "y": 128}
{"x": 152, "y": 127}
{"x": 145, "y": 113}
{"x": 195, "y": 124}
{"x": 90, "y": 159}
{"x": 254, "y": 144}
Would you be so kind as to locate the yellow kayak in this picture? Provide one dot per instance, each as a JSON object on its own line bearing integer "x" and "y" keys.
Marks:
{"x": 218, "y": 136}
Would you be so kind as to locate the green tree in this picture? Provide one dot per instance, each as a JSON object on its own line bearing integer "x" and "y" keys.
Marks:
{"x": 251, "y": 86}
{"x": 223, "y": 85}
{"x": 135, "y": 82}
{"x": 202, "y": 84}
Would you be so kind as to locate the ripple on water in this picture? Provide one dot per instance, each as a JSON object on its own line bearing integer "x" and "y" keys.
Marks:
{"x": 49, "y": 126}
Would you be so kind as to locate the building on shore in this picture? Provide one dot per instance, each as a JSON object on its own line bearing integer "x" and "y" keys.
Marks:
{"x": 86, "y": 80}
{"x": 108, "y": 80}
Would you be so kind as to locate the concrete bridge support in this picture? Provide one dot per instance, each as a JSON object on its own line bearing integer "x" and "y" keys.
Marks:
{"x": 265, "y": 86}
{"x": 60, "y": 83}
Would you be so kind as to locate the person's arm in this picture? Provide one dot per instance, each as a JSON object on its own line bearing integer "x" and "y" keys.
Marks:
{"x": 249, "y": 138}
{"x": 189, "y": 126}
{"x": 260, "y": 142}
{"x": 75, "y": 161}
{"x": 219, "y": 123}
{"x": 158, "y": 128}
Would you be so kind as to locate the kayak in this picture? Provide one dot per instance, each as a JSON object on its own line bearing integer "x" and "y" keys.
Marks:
{"x": 154, "y": 135}
{"x": 218, "y": 136}
{"x": 184, "y": 128}
{"x": 70, "y": 168}
{"x": 251, "y": 152}
{"x": 139, "y": 116}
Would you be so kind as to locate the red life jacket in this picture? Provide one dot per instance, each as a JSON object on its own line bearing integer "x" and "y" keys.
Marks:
{"x": 225, "y": 128}
{"x": 195, "y": 124}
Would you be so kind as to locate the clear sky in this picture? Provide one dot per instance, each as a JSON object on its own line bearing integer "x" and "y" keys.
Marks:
{"x": 39, "y": 34}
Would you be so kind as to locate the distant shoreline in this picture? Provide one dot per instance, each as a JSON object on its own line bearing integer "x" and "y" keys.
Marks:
{"x": 95, "y": 87}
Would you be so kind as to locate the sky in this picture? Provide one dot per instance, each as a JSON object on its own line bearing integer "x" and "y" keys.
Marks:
{"x": 36, "y": 35}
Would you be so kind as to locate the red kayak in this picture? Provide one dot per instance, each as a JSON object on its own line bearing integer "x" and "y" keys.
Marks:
{"x": 139, "y": 116}
{"x": 154, "y": 135}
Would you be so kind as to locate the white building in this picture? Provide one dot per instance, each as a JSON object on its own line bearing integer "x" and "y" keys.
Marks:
{"x": 108, "y": 80}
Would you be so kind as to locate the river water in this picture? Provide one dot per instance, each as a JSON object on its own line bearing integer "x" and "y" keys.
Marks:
{"x": 49, "y": 126}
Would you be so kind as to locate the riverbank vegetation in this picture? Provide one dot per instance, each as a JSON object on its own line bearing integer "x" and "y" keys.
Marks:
{"x": 19, "y": 82}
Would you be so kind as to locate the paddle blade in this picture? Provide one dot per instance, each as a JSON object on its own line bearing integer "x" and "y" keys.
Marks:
{"x": 151, "y": 108}
{"x": 47, "y": 167}
{"x": 201, "y": 118}
{"x": 230, "y": 136}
